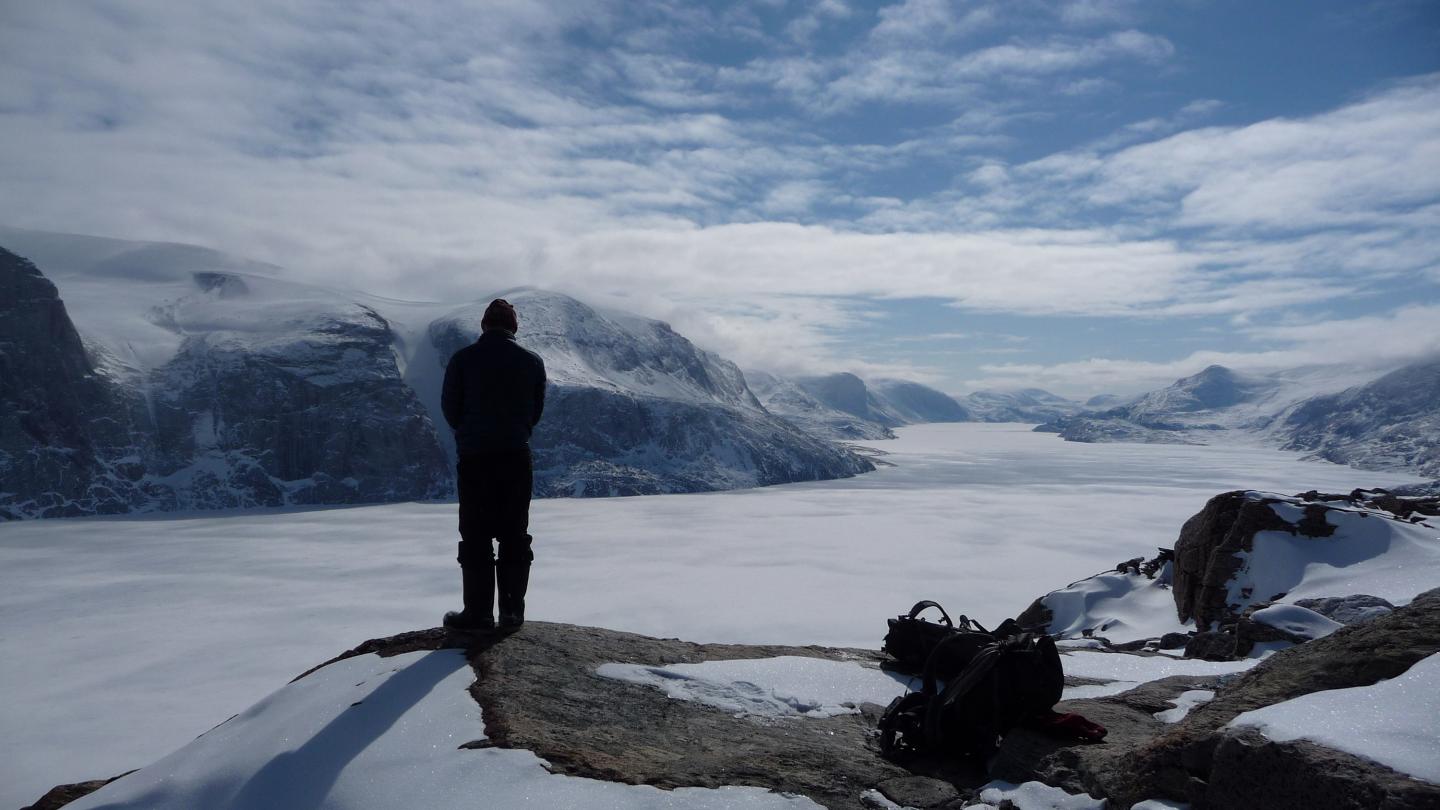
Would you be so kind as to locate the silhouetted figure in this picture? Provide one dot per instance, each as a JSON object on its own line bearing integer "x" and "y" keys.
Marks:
{"x": 493, "y": 394}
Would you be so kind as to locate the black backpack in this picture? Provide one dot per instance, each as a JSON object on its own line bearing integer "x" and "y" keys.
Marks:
{"x": 910, "y": 639}
{"x": 991, "y": 682}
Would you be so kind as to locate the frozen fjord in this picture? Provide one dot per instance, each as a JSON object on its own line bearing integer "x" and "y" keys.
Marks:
{"x": 121, "y": 639}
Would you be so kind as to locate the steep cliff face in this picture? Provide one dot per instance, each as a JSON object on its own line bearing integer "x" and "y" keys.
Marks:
{"x": 71, "y": 438}
{"x": 634, "y": 408}
{"x": 289, "y": 404}
{"x": 270, "y": 397}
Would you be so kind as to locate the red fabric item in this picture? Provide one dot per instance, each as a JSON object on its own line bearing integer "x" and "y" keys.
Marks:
{"x": 1070, "y": 726}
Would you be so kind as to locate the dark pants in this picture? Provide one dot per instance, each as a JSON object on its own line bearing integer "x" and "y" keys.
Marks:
{"x": 494, "y": 489}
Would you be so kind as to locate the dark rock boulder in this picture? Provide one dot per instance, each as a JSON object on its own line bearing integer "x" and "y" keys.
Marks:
{"x": 61, "y": 795}
{"x": 1206, "y": 553}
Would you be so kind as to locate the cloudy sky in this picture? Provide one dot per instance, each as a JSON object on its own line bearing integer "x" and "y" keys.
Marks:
{"x": 1089, "y": 196}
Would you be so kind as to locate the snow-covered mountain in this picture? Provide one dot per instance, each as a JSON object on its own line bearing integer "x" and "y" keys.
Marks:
{"x": 1024, "y": 405}
{"x": 175, "y": 377}
{"x": 913, "y": 403}
{"x": 845, "y": 407}
{"x": 635, "y": 408}
{"x": 1341, "y": 414}
{"x": 1391, "y": 423}
{"x": 787, "y": 398}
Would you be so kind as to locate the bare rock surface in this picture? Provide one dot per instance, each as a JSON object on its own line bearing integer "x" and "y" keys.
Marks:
{"x": 1201, "y": 762}
{"x": 1079, "y": 767}
{"x": 538, "y": 691}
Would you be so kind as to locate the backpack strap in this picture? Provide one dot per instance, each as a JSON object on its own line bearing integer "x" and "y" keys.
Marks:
{"x": 924, "y": 604}
{"x": 966, "y": 621}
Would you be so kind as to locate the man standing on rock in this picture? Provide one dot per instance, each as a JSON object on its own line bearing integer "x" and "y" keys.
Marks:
{"x": 493, "y": 394}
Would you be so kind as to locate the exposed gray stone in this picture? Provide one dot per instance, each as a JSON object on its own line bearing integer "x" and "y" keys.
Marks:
{"x": 921, "y": 792}
{"x": 1348, "y": 609}
{"x": 1250, "y": 772}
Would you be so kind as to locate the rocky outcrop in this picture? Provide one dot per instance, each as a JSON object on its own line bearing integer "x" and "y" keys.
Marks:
{"x": 61, "y": 795}
{"x": 1205, "y": 554}
{"x": 1210, "y": 766}
{"x": 1214, "y": 544}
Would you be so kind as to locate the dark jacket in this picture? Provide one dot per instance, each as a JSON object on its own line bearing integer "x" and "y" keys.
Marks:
{"x": 493, "y": 394}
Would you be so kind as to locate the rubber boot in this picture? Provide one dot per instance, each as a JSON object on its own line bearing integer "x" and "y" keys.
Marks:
{"x": 478, "y": 587}
{"x": 513, "y": 579}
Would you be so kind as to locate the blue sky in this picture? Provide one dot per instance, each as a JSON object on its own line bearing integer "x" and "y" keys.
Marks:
{"x": 1087, "y": 196}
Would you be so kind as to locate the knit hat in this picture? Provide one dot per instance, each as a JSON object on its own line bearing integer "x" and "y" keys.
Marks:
{"x": 500, "y": 315}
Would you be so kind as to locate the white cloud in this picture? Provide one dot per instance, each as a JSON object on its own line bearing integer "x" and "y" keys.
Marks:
{"x": 1377, "y": 342}
{"x": 931, "y": 21}
{"x": 1356, "y": 165}
{"x": 429, "y": 152}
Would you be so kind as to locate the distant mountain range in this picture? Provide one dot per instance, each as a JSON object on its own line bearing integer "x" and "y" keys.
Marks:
{"x": 1390, "y": 422}
{"x": 144, "y": 376}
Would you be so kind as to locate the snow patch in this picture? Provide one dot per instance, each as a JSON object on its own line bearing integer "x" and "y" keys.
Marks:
{"x": 1119, "y": 607}
{"x": 1183, "y": 703}
{"x": 1296, "y": 620}
{"x": 1141, "y": 668}
{"x": 1368, "y": 553}
{"x": 1034, "y": 796}
{"x": 786, "y": 686}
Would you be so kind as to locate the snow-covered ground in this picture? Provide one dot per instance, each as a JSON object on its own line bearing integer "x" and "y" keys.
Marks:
{"x": 122, "y": 639}
{"x": 1391, "y": 721}
{"x": 785, "y": 686}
